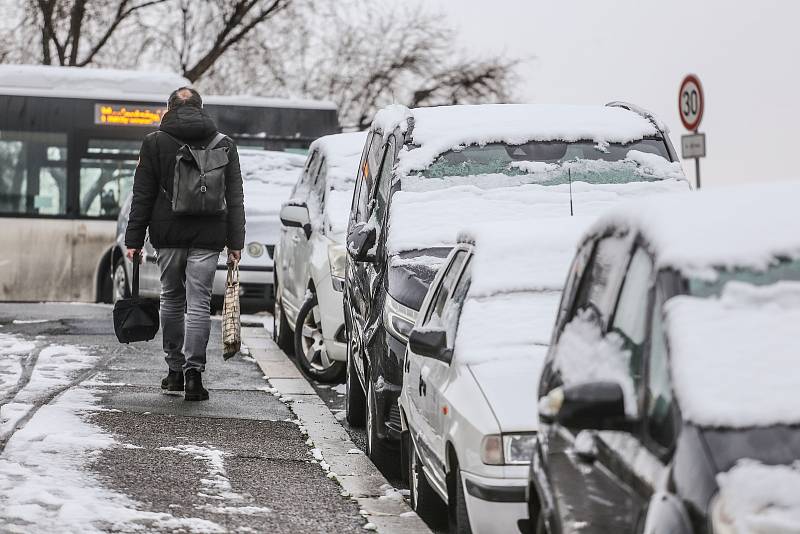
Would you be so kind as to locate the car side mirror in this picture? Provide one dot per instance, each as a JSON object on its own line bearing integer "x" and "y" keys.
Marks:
{"x": 360, "y": 242}
{"x": 430, "y": 343}
{"x": 586, "y": 406}
{"x": 295, "y": 215}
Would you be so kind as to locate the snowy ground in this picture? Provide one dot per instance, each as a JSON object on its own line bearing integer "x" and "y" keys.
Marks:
{"x": 89, "y": 443}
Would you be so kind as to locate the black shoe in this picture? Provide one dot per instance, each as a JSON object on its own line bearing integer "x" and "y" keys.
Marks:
{"x": 173, "y": 381}
{"x": 194, "y": 386}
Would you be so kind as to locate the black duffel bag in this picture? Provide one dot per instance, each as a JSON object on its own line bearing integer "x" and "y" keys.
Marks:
{"x": 135, "y": 319}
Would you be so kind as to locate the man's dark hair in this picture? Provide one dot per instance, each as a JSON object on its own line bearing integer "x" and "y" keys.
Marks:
{"x": 184, "y": 96}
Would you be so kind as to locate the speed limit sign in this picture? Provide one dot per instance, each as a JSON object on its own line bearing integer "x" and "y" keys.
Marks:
{"x": 690, "y": 102}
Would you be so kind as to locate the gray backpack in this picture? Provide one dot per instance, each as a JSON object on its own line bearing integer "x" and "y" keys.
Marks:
{"x": 198, "y": 187}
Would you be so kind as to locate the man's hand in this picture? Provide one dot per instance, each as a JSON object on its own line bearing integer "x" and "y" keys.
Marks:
{"x": 132, "y": 251}
{"x": 234, "y": 255}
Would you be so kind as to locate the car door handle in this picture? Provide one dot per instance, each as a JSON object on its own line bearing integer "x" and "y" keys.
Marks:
{"x": 423, "y": 387}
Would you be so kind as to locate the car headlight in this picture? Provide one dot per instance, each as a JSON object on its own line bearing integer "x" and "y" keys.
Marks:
{"x": 508, "y": 449}
{"x": 518, "y": 448}
{"x": 721, "y": 521}
{"x": 337, "y": 259}
{"x": 492, "y": 450}
{"x": 255, "y": 250}
{"x": 398, "y": 319}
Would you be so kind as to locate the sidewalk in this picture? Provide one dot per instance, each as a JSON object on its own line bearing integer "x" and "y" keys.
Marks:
{"x": 381, "y": 504}
{"x": 92, "y": 444}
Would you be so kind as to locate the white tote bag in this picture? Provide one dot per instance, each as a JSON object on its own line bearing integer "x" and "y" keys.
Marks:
{"x": 231, "y": 318}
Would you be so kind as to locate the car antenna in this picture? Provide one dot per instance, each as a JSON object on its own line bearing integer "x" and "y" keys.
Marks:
{"x": 569, "y": 174}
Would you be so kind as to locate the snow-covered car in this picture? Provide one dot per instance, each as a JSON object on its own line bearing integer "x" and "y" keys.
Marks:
{"x": 310, "y": 257}
{"x": 670, "y": 397}
{"x": 268, "y": 178}
{"x": 428, "y": 172}
{"x": 477, "y": 349}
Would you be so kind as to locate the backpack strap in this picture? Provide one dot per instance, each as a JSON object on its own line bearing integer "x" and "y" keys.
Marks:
{"x": 217, "y": 140}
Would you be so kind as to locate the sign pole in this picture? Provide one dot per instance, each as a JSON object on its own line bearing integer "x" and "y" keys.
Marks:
{"x": 697, "y": 171}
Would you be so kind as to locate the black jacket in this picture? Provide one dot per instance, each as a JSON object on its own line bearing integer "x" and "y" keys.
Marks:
{"x": 151, "y": 206}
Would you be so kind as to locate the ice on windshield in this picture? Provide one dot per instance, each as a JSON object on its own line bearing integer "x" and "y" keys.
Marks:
{"x": 547, "y": 163}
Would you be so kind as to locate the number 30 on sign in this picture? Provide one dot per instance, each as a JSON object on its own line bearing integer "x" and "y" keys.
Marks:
{"x": 690, "y": 103}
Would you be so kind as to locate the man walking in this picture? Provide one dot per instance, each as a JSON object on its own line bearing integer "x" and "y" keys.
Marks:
{"x": 187, "y": 246}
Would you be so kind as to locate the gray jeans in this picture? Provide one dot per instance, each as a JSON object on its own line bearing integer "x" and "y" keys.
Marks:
{"x": 187, "y": 277}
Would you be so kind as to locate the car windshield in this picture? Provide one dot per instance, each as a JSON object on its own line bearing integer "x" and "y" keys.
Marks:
{"x": 554, "y": 162}
{"x": 785, "y": 270}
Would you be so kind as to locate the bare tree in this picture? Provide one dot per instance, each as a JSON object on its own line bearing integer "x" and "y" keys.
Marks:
{"x": 199, "y": 32}
{"x": 363, "y": 58}
{"x": 74, "y": 32}
{"x": 360, "y": 54}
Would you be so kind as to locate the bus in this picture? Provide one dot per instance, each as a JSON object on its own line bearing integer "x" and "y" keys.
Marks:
{"x": 69, "y": 144}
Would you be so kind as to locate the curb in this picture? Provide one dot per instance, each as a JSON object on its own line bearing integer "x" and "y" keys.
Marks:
{"x": 385, "y": 509}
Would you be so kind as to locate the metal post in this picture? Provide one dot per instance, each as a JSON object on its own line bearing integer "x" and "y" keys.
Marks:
{"x": 697, "y": 171}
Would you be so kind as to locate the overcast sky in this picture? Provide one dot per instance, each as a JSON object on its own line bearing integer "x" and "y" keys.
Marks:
{"x": 746, "y": 54}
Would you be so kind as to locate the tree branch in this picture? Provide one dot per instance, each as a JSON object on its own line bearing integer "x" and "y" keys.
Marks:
{"x": 223, "y": 42}
{"x": 122, "y": 14}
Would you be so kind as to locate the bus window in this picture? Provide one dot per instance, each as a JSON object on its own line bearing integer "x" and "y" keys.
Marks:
{"x": 104, "y": 186}
{"x": 33, "y": 173}
{"x": 106, "y": 175}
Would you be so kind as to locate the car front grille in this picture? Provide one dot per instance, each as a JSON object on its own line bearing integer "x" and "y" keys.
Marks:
{"x": 254, "y": 291}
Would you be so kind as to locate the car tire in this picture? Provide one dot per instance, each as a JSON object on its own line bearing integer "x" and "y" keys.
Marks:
{"x": 281, "y": 333}
{"x": 120, "y": 288}
{"x": 380, "y": 451}
{"x": 424, "y": 499}
{"x": 309, "y": 345}
{"x": 355, "y": 400}
{"x": 457, "y": 506}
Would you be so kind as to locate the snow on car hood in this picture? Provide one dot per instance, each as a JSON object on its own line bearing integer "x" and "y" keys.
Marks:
{"x": 755, "y": 498}
{"x": 718, "y": 345}
{"x": 268, "y": 179}
{"x": 503, "y": 340}
{"x": 510, "y": 387}
{"x": 427, "y": 219}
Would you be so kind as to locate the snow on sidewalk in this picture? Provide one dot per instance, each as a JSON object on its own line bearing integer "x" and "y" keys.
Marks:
{"x": 45, "y": 484}
{"x": 12, "y": 351}
{"x": 45, "y": 487}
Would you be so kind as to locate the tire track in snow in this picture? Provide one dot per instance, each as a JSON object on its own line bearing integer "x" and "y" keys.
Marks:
{"x": 48, "y": 396}
{"x": 27, "y": 363}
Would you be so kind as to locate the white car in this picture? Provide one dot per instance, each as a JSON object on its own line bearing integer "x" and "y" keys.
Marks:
{"x": 268, "y": 178}
{"x": 310, "y": 257}
{"x": 467, "y": 405}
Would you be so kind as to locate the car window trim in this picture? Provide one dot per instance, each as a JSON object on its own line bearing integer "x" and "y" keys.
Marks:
{"x": 669, "y": 283}
{"x": 435, "y": 295}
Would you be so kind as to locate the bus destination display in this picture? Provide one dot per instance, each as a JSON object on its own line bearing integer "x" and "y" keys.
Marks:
{"x": 128, "y": 115}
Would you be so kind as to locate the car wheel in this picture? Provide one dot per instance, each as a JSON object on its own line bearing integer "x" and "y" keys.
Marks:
{"x": 424, "y": 499}
{"x": 457, "y": 506}
{"x": 119, "y": 285}
{"x": 355, "y": 401}
{"x": 309, "y": 345}
{"x": 379, "y": 450}
{"x": 281, "y": 334}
